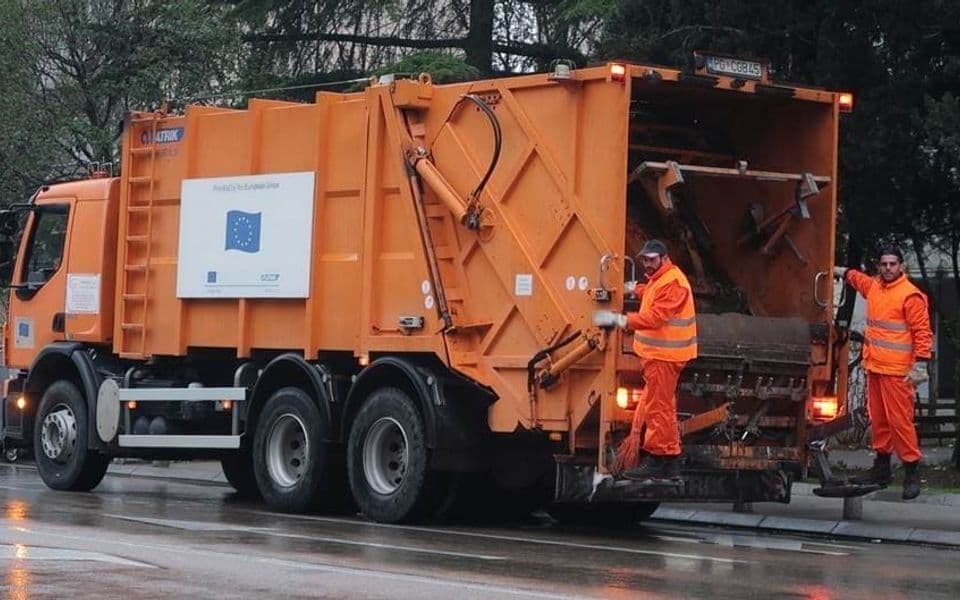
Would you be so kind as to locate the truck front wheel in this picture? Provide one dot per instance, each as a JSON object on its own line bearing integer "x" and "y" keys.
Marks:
{"x": 388, "y": 460}
{"x": 290, "y": 451}
{"x": 60, "y": 441}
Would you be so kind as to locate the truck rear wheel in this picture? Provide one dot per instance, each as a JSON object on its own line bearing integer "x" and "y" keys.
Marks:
{"x": 388, "y": 460}
{"x": 60, "y": 441}
{"x": 290, "y": 451}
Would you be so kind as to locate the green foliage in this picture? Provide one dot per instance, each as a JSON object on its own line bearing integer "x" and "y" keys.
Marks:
{"x": 73, "y": 68}
{"x": 443, "y": 67}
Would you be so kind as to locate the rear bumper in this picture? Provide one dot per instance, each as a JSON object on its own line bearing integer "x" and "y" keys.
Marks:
{"x": 582, "y": 484}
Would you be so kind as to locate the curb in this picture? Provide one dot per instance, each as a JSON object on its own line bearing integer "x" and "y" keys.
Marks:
{"x": 840, "y": 529}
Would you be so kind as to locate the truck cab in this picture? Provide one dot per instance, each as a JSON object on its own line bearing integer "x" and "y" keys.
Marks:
{"x": 61, "y": 282}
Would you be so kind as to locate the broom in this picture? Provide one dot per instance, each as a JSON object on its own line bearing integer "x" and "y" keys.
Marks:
{"x": 628, "y": 452}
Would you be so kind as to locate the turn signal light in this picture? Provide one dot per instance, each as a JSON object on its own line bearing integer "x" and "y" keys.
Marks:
{"x": 21, "y": 403}
{"x": 618, "y": 72}
{"x": 846, "y": 102}
{"x": 131, "y": 404}
{"x": 226, "y": 404}
{"x": 824, "y": 408}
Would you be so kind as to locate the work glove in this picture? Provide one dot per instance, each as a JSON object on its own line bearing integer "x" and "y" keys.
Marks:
{"x": 918, "y": 374}
{"x": 839, "y": 272}
{"x": 608, "y": 318}
{"x": 630, "y": 289}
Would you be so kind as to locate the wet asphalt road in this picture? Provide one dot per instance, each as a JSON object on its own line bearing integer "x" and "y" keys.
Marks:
{"x": 142, "y": 538}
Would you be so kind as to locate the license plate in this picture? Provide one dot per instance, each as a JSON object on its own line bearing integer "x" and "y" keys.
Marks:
{"x": 734, "y": 67}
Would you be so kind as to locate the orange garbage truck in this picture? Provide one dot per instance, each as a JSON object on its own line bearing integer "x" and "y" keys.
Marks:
{"x": 379, "y": 295}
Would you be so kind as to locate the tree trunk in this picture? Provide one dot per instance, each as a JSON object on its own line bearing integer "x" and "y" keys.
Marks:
{"x": 479, "y": 43}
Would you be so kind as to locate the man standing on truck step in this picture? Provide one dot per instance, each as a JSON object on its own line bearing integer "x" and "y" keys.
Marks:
{"x": 665, "y": 339}
{"x": 896, "y": 348}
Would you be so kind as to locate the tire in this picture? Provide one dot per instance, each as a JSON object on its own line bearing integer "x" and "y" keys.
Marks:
{"x": 238, "y": 469}
{"x": 388, "y": 461}
{"x": 60, "y": 441}
{"x": 624, "y": 515}
{"x": 290, "y": 452}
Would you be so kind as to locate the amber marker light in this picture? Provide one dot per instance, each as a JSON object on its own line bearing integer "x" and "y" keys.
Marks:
{"x": 131, "y": 404}
{"x": 623, "y": 397}
{"x": 226, "y": 404}
{"x": 21, "y": 403}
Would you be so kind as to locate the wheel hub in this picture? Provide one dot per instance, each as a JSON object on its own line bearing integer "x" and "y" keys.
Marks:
{"x": 385, "y": 456}
{"x": 58, "y": 434}
{"x": 287, "y": 450}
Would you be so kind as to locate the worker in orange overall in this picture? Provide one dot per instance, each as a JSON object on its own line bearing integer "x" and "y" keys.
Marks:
{"x": 665, "y": 338}
{"x": 897, "y": 346}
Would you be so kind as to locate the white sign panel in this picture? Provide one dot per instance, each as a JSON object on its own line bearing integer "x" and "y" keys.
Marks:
{"x": 23, "y": 334}
{"x": 83, "y": 294}
{"x": 523, "y": 285}
{"x": 246, "y": 236}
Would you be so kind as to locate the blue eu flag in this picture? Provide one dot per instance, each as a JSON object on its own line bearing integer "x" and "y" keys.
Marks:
{"x": 243, "y": 231}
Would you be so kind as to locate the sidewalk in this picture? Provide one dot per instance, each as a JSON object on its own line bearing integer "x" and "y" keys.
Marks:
{"x": 933, "y": 518}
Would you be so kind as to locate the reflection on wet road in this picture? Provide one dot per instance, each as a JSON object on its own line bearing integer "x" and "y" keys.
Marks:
{"x": 142, "y": 538}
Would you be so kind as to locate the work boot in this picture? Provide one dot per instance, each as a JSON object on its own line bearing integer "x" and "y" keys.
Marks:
{"x": 879, "y": 474}
{"x": 671, "y": 467}
{"x": 911, "y": 480}
{"x": 650, "y": 468}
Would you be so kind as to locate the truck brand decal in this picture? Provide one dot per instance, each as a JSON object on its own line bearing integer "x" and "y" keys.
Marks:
{"x": 167, "y": 135}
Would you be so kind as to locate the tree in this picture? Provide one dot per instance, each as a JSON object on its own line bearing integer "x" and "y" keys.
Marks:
{"x": 321, "y": 35}
{"x": 74, "y": 68}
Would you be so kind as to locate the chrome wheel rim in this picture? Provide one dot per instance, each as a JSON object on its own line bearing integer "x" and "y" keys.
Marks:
{"x": 58, "y": 434}
{"x": 386, "y": 454}
{"x": 287, "y": 450}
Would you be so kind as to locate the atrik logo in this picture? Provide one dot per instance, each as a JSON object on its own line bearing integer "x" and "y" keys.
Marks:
{"x": 243, "y": 231}
{"x": 168, "y": 135}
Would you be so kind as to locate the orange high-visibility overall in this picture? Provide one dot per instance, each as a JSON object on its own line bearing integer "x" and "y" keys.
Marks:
{"x": 665, "y": 337}
{"x": 898, "y": 334}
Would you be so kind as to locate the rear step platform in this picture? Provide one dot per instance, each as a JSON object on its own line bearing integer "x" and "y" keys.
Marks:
{"x": 845, "y": 489}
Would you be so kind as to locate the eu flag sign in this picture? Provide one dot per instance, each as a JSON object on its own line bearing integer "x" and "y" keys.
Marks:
{"x": 243, "y": 231}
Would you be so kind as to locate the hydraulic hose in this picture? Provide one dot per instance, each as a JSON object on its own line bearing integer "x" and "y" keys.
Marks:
{"x": 497, "y": 138}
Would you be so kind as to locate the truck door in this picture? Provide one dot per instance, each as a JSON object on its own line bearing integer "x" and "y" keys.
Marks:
{"x": 36, "y": 312}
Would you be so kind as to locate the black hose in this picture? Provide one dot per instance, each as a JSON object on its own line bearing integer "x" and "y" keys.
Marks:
{"x": 497, "y": 139}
